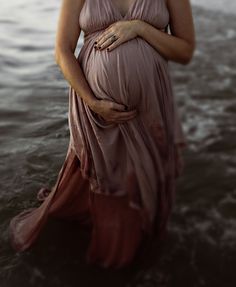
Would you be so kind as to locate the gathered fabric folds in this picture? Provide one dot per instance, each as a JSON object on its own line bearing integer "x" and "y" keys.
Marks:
{"x": 117, "y": 179}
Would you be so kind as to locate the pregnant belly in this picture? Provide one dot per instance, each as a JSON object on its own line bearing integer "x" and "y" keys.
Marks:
{"x": 123, "y": 74}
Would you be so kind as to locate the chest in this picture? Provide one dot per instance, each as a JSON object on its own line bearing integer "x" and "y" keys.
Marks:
{"x": 99, "y": 14}
{"x": 123, "y": 5}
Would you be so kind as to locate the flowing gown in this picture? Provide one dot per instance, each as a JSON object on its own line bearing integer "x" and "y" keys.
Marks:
{"x": 117, "y": 179}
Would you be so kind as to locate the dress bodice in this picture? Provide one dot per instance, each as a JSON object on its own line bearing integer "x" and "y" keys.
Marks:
{"x": 99, "y": 14}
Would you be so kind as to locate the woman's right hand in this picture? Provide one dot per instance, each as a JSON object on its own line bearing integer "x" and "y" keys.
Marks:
{"x": 113, "y": 112}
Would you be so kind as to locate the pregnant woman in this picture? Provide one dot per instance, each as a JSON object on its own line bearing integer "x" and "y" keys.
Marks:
{"x": 124, "y": 154}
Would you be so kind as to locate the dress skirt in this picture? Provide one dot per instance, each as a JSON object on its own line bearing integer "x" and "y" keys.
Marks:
{"x": 116, "y": 230}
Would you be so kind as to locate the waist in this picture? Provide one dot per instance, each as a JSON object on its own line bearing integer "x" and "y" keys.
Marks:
{"x": 89, "y": 35}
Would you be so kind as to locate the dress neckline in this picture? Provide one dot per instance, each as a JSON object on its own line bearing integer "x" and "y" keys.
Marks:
{"x": 116, "y": 9}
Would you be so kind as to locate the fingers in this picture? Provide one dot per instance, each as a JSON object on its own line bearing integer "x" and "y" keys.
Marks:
{"x": 105, "y": 41}
{"x": 120, "y": 117}
{"x": 104, "y": 37}
{"x": 118, "y": 107}
{"x": 118, "y": 112}
{"x": 103, "y": 34}
{"x": 115, "y": 44}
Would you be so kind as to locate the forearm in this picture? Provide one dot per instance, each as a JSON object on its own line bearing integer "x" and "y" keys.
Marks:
{"x": 73, "y": 73}
{"x": 170, "y": 47}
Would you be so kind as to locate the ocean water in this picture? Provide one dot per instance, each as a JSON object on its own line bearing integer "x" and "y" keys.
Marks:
{"x": 200, "y": 249}
{"x": 228, "y": 6}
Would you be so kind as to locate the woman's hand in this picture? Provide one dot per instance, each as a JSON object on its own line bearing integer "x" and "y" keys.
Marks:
{"x": 123, "y": 30}
{"x": 112, "y": 112}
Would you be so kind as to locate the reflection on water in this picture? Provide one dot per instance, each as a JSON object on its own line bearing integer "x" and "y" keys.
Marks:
{"x": 200, "y": 248}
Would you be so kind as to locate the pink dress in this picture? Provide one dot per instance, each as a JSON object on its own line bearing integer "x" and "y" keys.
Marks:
{"x": 117, "y": 179}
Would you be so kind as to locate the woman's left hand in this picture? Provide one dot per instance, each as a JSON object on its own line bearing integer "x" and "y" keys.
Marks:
{"x": 123, "y": 31}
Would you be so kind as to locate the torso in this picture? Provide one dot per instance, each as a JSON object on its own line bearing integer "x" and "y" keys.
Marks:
{"x": 122, "y": 73}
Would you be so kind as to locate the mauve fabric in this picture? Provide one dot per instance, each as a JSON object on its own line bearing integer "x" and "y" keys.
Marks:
{"x": 118, "y": 179}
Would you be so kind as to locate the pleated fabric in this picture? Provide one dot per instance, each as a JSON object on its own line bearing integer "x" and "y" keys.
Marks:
{"x": 117, "y": 179}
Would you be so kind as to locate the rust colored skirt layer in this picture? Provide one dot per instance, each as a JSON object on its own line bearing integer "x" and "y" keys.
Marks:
{"x": 116, "y": 229}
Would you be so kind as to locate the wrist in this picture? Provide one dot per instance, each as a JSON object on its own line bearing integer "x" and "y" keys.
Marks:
{"x": 92, "y": 103}
{"x": 138, "y": 26}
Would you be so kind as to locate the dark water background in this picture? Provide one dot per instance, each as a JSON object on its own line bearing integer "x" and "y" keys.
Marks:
{"x": 200, "y": 249}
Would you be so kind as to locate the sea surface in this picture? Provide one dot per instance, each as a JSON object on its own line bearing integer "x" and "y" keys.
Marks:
{"x": 200, "y": 249}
